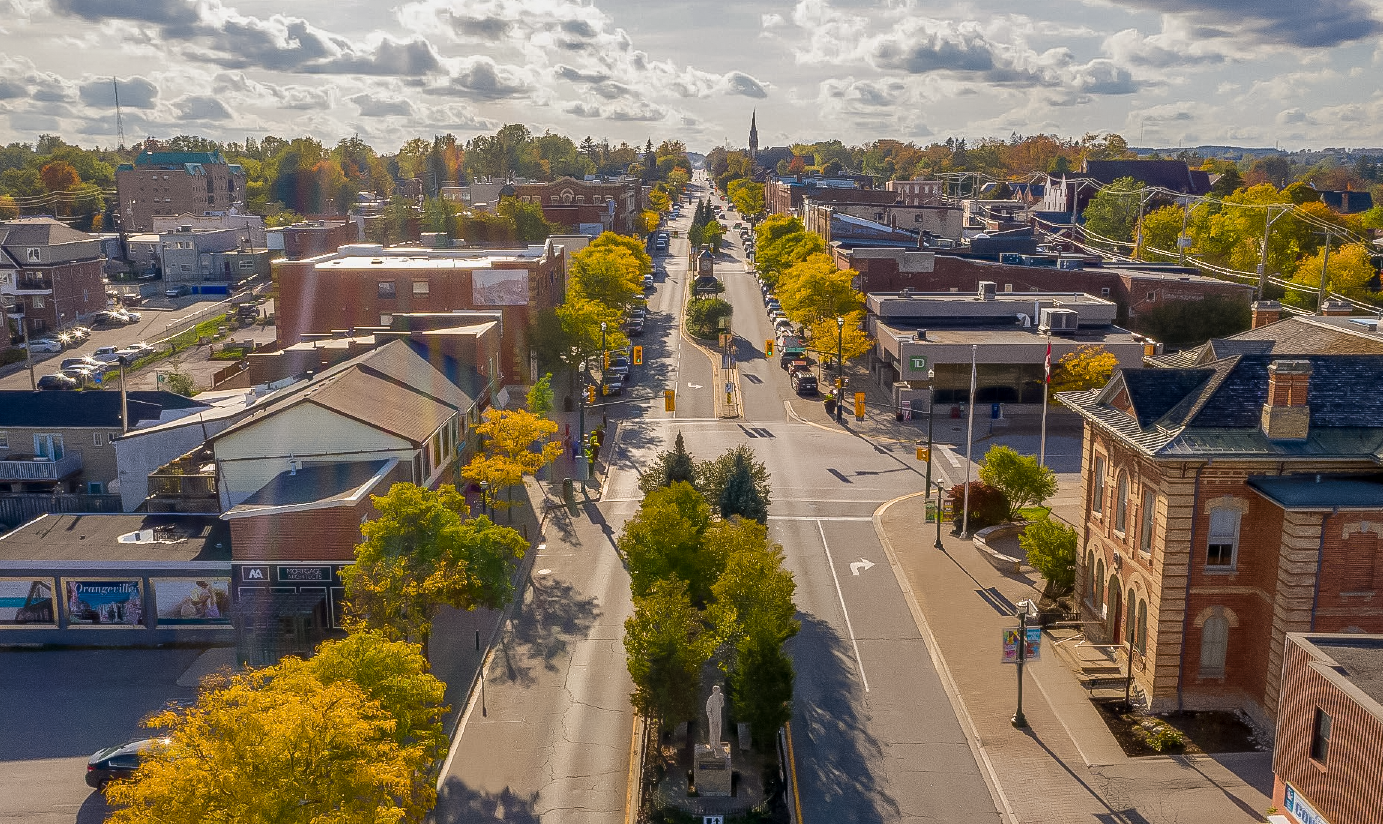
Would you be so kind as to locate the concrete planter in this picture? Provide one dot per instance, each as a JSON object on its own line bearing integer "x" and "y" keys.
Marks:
{"x": 999, "y": 546}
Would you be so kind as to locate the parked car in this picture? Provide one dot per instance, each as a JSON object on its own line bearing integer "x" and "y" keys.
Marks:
{"x": 175, "y": 291}
{"x": 633, "y": 327}
{"x": 79, "y": 332}
{"x": 81, "y": 373}
{"x": 647, "y": 282}
{"x": 611, "y": 385}
{"x": 142, "y": 347}
{"x": 126, "y": 316}
{"x": 120, "y": 761}
{"x": 57, "y": 381}
{"x": 104, "y": 318}
{"x": 83, "y": 361}
{"x": 804, "y": 383}
{"x": 45, "y": 345}
{"x": 106, "y": 354}
{"x": 131, "y": 353}
{"x": 619, "y": 365}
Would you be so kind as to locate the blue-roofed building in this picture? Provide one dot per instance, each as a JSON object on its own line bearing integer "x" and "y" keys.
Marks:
{"x": 1233, "y": 494}
{"x": 173, "y": 183}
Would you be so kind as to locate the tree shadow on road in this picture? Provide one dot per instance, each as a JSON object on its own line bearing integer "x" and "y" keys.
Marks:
{"x": 460, "y": 804}
{"x": 837, "y": 758}
{"x": 94, "y": 810}
{"x": 553, "y": 612}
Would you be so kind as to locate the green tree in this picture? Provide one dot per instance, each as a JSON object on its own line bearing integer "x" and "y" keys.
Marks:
{"x": 1021, "y": 478}
{"x": 1113, "y": 212}
{"x": 527, "y": 218}
{"x": 761, "y": 686}
{"x": 1051, "y": 550}
{"x": 664, "y": 540}
{"x": 180, "y": 383}
{"x": 540, "y": 397}
{"x": 420, "y": 555}
{"x": 1181, "y": 323}
{"x": 609, "y": 275}
{"x": 1229, "y": 182}
{"x": 747, "y": 196}
{"x": 988, "y": 506}
{"x": 704, "y": 316}
{"x": 670, "y": 467}
{"x": 1350, "y": 270}
{"x": 741, "y": 497}
{"x": 713, "y": 476}
{"x": 782, "y": 241}
{"x": 666, "y": 644}
{"x": 814, "y": 289}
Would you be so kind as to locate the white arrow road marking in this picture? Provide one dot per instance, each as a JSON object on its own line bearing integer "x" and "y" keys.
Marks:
{"x": 861, "y": 564}
{"x": 695, "y": 386}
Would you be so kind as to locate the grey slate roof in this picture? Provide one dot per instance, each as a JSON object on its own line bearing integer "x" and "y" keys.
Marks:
{"x": 1320, "y": 492}
{"x": 63, "y": 410}
{"x": 39, "y": 231}
{"x": 1169, "y": 174}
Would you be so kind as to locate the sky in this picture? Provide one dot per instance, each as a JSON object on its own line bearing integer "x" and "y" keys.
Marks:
{"x": 1165, "y": 73}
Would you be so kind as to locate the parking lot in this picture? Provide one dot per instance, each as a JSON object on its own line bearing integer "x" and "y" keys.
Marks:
{"x": 60, "y": 706}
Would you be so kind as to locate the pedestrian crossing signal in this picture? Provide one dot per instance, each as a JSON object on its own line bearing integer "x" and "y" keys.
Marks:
{"x": 670, "y": 400}
{"x": 768, "y": 348}
{"x": 638, "y": 356}
{"x": 924, "y": 454}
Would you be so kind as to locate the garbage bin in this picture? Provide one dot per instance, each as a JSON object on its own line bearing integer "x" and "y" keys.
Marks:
{"x": 568, "y": 491}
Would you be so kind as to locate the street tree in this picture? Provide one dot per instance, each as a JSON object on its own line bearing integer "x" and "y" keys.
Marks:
{"x": 608, "y": 274}
{"x": 1088, "y": 367}
{"x": 666, "y": 643}
{"x": 781, "y": 241}
{"x": 713, "y": 476}
{"x": 740, "y": 497}
{"x": 747, "y": 196}
{"x": 988, "y": 505}
{"x": 292, "y": 744}
{"x": 1113, "y": 211}
{"x": 539, "y": 400}
{"x": 664, "y": 540}
{"x": 826, "y": 336}
{"x": 1349, "y": 271}
{"x": 1022, "y": 480}
{"x": 814, "y": 289}
{"x": 514, "y": 443}
{"x": 670, "y": 467}
{"x": 420, "y": 555}
{"x": 1051, "y": 550}
{"x": 614, "y": 240}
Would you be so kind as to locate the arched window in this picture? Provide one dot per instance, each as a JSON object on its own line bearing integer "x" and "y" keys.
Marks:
{"x": 1121, "y": 504}
{"x": 1130, "y": 615}
{"x": 1145, "y": 537}
{"x": 1099, "y": 582}
{"x": 1214, "y": 646}
{"x": 1097, "y": 487}
{"x": 1090, "y": 578}
{"x": 1141, "y": 637}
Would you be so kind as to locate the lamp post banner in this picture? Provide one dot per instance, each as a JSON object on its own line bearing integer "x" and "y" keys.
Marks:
{"x": 1010, "y": 645}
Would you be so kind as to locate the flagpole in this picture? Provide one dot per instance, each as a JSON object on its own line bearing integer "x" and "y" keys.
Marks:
{"x": 1046, "y": 387}
{"x": 969, "y": 440}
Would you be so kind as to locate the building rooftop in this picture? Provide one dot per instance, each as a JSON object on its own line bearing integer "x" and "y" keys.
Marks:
{"x": 1295, "y": 335}
{"x": 1320, "y": 491}
{"x": 24, "y": 408}
{"x": 76, "y": 539}
{"x": 1006, "y": 336}
{"x": 39, "y": 231}
{"x": 315, "y": 486}
{"x": 172, "y": 159}
{"x": 1358, "y": 659}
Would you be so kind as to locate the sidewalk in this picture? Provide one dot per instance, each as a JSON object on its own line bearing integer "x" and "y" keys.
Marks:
{"x": 1066, "y": 767}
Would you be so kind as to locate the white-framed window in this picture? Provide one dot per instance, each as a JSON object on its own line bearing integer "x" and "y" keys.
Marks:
{"x": 1097, "y": 494}
{"x": 98, "y": 439}
{"x": 1104, "y": 291}
{"x": 386, "y": 319}
{"x": 1214, "y": 646}
{"x": 1121, "y": 504}
{"x": 422, "y": 287}
{"x": 1145, "y": 537}
{"x": 247, "y": 265}
{"x": 32, "y": 255}
{"x": 48, "y": 447}
{"x": 1222, "y": 543}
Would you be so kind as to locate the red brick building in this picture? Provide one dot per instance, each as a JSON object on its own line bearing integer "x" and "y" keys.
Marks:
{"x": 52, "y": 270}
{"x": 614, "y": 205}
{"x": 1133, "y": 290}
{"x": 365, "y": 286}
{"x": 1231, "y": 497}
{"x": 313, "y": 238}
{"x": 784, "y": 196}
{"x": 171, "y": 183}
{"x": 1327, "y": 764}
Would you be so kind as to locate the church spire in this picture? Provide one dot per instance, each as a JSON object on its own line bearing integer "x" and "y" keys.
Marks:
{"x": 753, "y": 134}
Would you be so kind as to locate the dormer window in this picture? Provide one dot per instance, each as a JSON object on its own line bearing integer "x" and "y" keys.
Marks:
{"x": 32, "y": 255}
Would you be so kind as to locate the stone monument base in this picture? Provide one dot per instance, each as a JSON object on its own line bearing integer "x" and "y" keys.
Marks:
{"x": 712, "y": 769}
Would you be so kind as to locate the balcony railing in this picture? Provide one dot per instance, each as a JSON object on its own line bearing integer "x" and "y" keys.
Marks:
{"x": 40, "y": 469}
{"x": 174, "y": 485}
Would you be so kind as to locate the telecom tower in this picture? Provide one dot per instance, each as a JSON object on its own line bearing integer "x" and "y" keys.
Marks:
{"x": 119, "y": 121}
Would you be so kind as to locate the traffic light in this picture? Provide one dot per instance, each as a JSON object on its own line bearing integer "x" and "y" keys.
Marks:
{"x": 607, "y": 360}
{"x": 590, "y": 394}
{"x": 638, "y": 356}
{"x": 670, "y": 400}
{"x": 768, "y": 348}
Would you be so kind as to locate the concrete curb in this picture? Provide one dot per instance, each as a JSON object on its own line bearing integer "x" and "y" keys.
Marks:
{"x": 948, "y": 683}
{"x": 633, "y": 795}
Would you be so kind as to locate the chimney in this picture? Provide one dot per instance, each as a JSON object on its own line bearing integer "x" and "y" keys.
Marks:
{"x": 1286, "y": 416}
{"x": 1337, "y": 309}
{"x": 1265, "y": 312}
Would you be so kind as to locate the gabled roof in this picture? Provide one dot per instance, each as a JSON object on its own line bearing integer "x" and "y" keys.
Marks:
{"x": 74, "y": 410}
{"x": 1169, "y": 174}
{"x": 1216, "y": 409}
{"x": 39, "y": 231}
{"x": 1295, "y": 335}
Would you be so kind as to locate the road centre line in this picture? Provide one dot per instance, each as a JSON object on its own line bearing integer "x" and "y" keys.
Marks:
{"x": 831, "y": 564}
{"x": 869, "y": 518}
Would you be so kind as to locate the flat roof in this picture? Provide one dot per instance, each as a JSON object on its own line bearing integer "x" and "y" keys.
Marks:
{"x": 129, "y": 538}
{"x": 1025, "y": 298}
{"x": 1361, "y": 657}
{"x": 315, "y": 486}
{"x": 390, "y": 262}
{"x": 1005, "y": 336}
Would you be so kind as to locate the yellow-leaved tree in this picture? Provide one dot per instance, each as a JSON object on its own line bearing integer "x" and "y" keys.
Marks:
{"x": 607, "y": 274}
{"x": 1088, "y": 367}
{"x": 815, "y": 289}
{"x": 516, "y": 443}
{"x": 826, "y": 336}
{"x": 353, "y": 734}
{"x": 1349, "y": 270}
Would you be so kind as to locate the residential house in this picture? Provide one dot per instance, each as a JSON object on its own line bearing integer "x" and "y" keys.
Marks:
{"x": 918, "y": 192}
{"x": 842, "y": 220}
{"x": 1069, "y": 193}
{"x": 171, "y": 183}
{"x": 1231, "y": 496}
{"x": 250, "y": 228}
{"x": 50, "y": 271}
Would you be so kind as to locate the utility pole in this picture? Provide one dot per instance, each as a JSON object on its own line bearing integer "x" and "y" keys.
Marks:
{"x": 1263, "y": 259}
{"x": 1325, "y": 267}
{"x": 1181, "y": 238}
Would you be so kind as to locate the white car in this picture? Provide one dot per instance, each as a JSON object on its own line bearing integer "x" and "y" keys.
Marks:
{"x": 106, "y": 354}
{"x": 45, "y": 345}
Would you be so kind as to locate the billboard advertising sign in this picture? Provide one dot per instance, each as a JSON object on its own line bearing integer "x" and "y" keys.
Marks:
{"x": 104, "y": 603}
{"x": 25, "y": 601}
{"x": 192, "y": 600}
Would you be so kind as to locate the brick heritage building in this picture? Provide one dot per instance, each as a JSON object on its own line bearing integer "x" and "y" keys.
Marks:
{"x": 1326, "y": 763}
{"x": 365, "y": 286}
{"x": 614, "y": 205}
{"x": 50, "y": 269}
{"x": 171, "y": 183}
{"x": 1231, "y": 497}
{"x": 918, "y": 192}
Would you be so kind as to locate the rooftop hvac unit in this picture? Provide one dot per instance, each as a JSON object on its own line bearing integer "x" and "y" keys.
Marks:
{"x": 1059, "y": 321}
{"x": 986, "y": 290}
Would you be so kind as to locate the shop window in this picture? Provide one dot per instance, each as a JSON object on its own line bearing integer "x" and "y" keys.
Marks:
{"x": 1145, "y": 539}
{"x": 1097, "y": 497}
{"x": 1121, "y": 504}
{"x": 386, "y": 290}
{"x": 1214, "y": 646}
{"x": 1320, "y": 736}
{"x": 1222, "y": 546}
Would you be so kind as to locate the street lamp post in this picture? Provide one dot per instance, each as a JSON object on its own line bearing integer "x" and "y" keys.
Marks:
{"x": 485, "y": 498}
{"x": 931, "y": 418}
{"x": 840, "y": 367}
{"x": 1020, "y": 720}
{"x": 939, "y": 487}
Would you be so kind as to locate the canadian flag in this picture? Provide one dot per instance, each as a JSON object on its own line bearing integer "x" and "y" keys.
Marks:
{"x": 1047, "y": 365}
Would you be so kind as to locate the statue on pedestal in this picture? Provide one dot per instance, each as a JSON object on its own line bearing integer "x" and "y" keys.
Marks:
{"x": 715, "y": 706}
